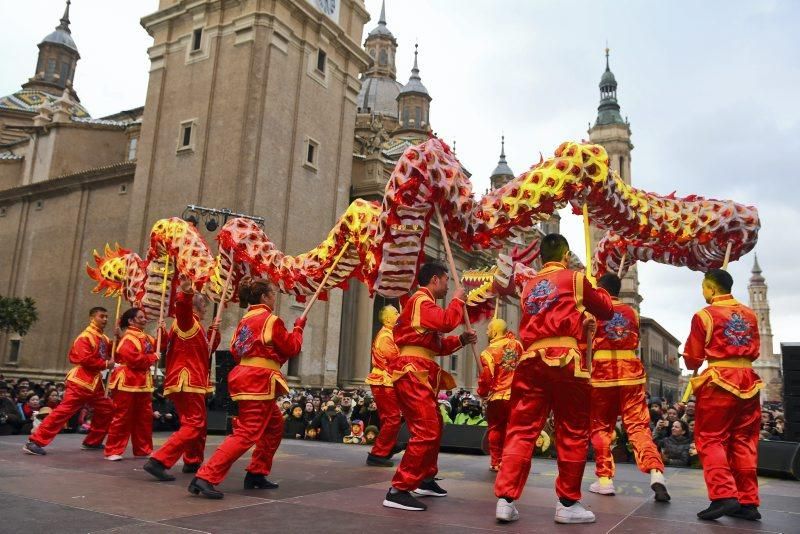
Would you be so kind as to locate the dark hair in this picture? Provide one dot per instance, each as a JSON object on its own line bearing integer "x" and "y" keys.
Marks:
{"x": 553, "y": 247}
{"x": 251, "y": 289}
{"x": 429, "y": 270}
{"x": 683, "y": 424}
{"x": 611, "y": 283}
{"x": 720, "y": 278}
{"x": 128, "y": 316}
{"x": 97, "y": 309}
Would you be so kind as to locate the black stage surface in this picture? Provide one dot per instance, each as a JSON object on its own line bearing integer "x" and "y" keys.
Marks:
{"x": 326, "y": 488}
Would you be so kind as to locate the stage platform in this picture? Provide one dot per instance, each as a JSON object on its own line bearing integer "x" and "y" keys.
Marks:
{"x": 326, "y": 488}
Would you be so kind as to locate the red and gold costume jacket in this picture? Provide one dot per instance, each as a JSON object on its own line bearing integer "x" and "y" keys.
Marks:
{"x": 384, "y": 350}
{"x": 135, "y": 354}
{"x": 188, "y": 349}
{"x": 418, "y": 334}
{"x": 498, "y": 362}
{"x": 260, "y": 345}
{"x": 90, "y": 353}
{"x": 553, "y": 303}
{"x": 614, "y": 361}
{"x": 726, "y": 334}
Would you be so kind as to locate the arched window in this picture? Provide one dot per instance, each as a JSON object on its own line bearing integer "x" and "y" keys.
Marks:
{"x": 384, "y": 57}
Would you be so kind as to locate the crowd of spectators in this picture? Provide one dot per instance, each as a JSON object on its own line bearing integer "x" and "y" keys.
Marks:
{"x": 351, "y": 416}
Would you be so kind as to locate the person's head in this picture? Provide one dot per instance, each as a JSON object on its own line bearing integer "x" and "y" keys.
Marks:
{"x": 690, "y": 425}
{"x": 297, "y": 411}
{"x": 285, "y": 405}
{"x": 690, "y": 408}
{"x": 655, "y": 406}
{"x": 330, "y": 407}
{"x": 356, "y": 427}
{"x": 254, "y": 291}
{"x": 611, "y": 283}
{"x": 347, "y": 402}
{"x": 315, "y": 402}
{"x": 434, "y": 277}
{"x": 388, "y": 316}
{"x": 22, "y": 389}
{"x": 34, "y": 401}
{"x": 199, "y": 305}
{"x": 51, "y": 396}
{"x": 99, "y": 317}
{"x": 474, "y": 407}
{"x": 311, "y": 433}
{"x": 371, "y": 406}
{"x": 5, "y": 392}
{"x": 370, "y": 433}
{"x": 309, "y": 407}
{"x": 766, "y": 417}
{"x": 554, "y": 247}
{"x": 679, "y": 428}
{"x": 133, "y": 317}
{"x": 672, "y": 414}
{"x": 60, "y": 387}
{"x": 496, "y": 328}
{"x": 716, "y": 282}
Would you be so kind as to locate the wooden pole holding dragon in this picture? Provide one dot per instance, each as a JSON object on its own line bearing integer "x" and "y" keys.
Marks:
{"x": 324, "y": 280}
{"x": 454, "y": 275}
{"x": 161, "y": 311}
{"x": 116, "y": 341}
{"x": 587, "y": 237}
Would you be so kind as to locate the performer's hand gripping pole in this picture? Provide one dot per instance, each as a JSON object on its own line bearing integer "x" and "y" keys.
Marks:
{"x": 324, "y": 280}
{"x": 456, "y": 280}
{"x": 688, "y": 391}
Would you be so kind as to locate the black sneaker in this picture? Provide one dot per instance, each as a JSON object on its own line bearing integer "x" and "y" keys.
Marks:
{"x": 190, "y": 468}
{"x": 718, "y": 508}
{"x": 32, "y": 448}
{"x": 253, "y": 481}
{"x": 747, "y": 511}
{"x": 158, "y": 470}
{"x": 98, "y": 447}
{"x": 429, "y": 488}
{"x": 403, "y": 500}
{"x": 377, "y": 461}
{"x": 396, "y": 449}
{"x": 198, "y": 486}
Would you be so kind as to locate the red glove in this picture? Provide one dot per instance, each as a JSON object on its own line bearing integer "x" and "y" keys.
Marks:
{"x": 300, "y": 322}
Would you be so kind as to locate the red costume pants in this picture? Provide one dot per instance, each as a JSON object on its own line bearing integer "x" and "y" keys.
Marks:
{"x": 726, "y": 430}
{"x": 389, "y": 413}
{"x": 75, "y": 398}
{"x": 133, "y": 419}
{"x": 190, "y": 439}
{"x": 628, "y": 401}
{"x": 418, "y": 403}
{"x": 259, "y": 423}
{"x": 497, "y": 418}
{"x": 536, "y": 389}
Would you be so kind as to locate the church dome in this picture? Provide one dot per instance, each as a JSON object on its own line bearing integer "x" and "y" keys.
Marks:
{"x": 31, "y": 100}
{"x": 379, "y": 95}
{"x": 608, "y": 78}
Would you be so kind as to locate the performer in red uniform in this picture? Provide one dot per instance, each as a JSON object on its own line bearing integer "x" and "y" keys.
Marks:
{"x": 132, "y": 386}
{"x": 551, "y": 375}
{"x": 728, "y": 412}
{"x": 90, "y": 353}
{"x": 380, "y": 382}
{"x": 260, "y": 345}
{"x": 618, "y": 380}
{"x": 186, "y": 383}
{"x": 498, "y": 362}
{"x": 417, "y": 378}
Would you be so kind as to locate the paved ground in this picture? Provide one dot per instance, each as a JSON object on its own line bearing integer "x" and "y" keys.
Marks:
{"x": 326, "y": 488}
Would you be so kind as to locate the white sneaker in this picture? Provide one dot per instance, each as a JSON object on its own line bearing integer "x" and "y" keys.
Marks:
{"x": 573, "y": 514}
{"x": 114, "y": 458}
{"x": 659, "y": 486}
{"x": 506, "y": 512}
{"x": 603, "y": 489}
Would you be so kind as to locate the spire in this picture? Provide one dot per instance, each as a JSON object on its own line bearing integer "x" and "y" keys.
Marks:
{"x": 65, "y": 19}
{"x": 382, "y": 20}
{"x": 608, "y": 110}
{"x": 381, "y": 29}
{"x": 757, "y": 277}
{"x": 502, "y": 173}
{"x": 414, "y": 84}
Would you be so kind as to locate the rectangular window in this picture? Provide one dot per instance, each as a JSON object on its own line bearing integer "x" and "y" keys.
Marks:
{"x": 51, "y": 68}
{"x": 454, "y": 363}
{"x": 65, "y": 71}
{"x": 311, "y": 154}
{"x": 197, "y": 39}
{"x": 417, "y": 116}
{"x": 13, "y": 354}
{"x": 294, "y": 366}
{"x": 322, "y": 59}
{"x": 132, "y": 148}
{"x": 186, "y": 135}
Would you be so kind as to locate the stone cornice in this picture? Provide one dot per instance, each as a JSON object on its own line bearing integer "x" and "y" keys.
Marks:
{"x": 94, "y": 176}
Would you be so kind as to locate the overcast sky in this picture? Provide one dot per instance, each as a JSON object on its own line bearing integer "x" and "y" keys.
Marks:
{"x": 710, "y": 89}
